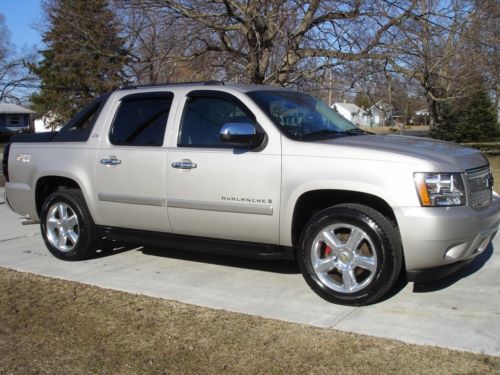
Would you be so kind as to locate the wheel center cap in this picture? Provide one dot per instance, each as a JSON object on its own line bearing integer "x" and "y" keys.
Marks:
{"x": 345, "y": 257}
{"x": 66, "y": 226}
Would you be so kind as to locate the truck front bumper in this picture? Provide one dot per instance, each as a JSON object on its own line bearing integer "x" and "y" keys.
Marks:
{"x": 437, "y": 241}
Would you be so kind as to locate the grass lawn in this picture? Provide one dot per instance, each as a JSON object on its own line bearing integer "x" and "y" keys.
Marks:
{"x": 55, "y": 326}
{"x": 495, "y": 167}
{"x": 419, "y": 130}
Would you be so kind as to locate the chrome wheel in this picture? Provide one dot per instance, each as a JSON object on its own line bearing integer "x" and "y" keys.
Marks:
{"x": 344, "y": 258}
{"x": 62, "y": 227}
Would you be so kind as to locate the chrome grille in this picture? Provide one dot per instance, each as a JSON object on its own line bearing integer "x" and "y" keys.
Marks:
{"x": 480, "y": 183}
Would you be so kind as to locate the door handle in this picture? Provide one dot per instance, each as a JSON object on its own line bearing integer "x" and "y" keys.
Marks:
{"x": 184, "y": 164}
{"x": 111, "y": 161}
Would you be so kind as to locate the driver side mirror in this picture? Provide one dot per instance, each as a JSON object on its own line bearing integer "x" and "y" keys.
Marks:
{"x": 241, "y": 134}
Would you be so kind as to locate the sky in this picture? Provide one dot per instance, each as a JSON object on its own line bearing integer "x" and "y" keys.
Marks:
{"x": 20, "y": 18}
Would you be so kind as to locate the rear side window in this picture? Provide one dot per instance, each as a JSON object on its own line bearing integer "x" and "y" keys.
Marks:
{"x": 86, "y": 119}
{"x": 81, "y": 125}
{"x": 205, "y": 116}
{"x": 141, "y": 120}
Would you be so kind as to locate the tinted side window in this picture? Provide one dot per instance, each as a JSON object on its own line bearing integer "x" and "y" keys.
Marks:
{"x": 86, "y": 120}
{"x": 78, "y": 129}
{"x": 204, "y": 117}
{"x": 141, "y": 121}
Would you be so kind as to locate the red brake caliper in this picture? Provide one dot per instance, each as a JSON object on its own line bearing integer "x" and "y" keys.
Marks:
{"x": 328, "y": 251}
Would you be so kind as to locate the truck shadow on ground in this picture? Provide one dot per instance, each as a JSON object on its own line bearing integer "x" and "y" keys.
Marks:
{"x": 267, "y": 265}
{"x": 468, "y": 270}
{"x": 109, "y": 248}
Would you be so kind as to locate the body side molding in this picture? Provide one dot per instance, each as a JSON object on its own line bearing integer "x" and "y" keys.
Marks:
{"x": 256, "y": 209}
{"x": 129, "y": 199}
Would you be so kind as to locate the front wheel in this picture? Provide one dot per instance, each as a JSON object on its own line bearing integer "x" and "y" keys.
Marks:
{"x": 67, "y": 226}
{"x": 350, "y": 254}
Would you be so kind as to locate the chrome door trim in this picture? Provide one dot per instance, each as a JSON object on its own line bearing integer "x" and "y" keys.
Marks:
{"x": 255, "y": 209}
{"x": 129, "y": 199}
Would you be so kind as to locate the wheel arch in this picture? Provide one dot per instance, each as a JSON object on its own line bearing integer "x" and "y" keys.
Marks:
{"x": 312, "y": 201}
{"x": 47, "y": 185}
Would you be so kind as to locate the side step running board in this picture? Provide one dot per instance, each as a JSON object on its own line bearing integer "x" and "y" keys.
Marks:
{"x": 199, "y": 244}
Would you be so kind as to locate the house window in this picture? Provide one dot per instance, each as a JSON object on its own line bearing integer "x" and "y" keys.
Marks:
{"x": 14, "y": 120}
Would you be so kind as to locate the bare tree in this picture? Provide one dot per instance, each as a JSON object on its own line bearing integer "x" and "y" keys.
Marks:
{"x": 15, "y": 80}
{"x": 279, "y": 42}
{"x": 484, "y": 36}
{"x": 331, "y": 47}
{"x": 156, "y": 42}
{"x": 433, "y": 49}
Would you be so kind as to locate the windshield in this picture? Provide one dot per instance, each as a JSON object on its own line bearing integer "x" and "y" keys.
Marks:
{"x": 301, "y": 116}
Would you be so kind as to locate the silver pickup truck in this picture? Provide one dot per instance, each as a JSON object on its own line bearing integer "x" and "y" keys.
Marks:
{"x": 255, "y": 171}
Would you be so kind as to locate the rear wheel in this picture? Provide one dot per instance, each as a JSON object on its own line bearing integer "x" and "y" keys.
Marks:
{"x": 67, "y": 226}
{"x": 350, "y": 254}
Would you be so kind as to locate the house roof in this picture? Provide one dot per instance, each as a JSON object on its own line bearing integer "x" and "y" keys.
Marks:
{"x": 351, "y": 107}
{"x": 14, "y": 109}
{"x": 381, "y": 105}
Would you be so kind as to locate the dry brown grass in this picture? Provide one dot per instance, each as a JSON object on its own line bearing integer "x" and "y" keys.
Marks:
{"x": 55, "y": 326}
{"x": 495, "y": 167}
{"x": 415, "y": 130}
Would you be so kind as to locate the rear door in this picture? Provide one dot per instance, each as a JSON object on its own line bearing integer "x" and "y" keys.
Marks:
{"x": 221, "y": 191}
{"x": 132, "y": 163}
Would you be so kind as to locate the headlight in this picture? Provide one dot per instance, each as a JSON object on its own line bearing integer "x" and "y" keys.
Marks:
{"x": 440, "y": 189}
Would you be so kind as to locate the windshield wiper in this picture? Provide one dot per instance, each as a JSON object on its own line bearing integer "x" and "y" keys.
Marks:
{"x": 356, "y": 131}
{"x": 319, "y": 133}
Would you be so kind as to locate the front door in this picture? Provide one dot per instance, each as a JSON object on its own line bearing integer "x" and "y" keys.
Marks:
{"x": 218, "y": 191}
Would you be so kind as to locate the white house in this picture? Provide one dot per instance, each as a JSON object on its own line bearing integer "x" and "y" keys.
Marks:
{"x": 352, "y": 113}
{"x": 381, "y": 113}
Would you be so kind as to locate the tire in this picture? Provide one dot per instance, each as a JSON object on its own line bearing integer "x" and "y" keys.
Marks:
{"x": 67, "y": 226}
{"x": 350, "y": 254}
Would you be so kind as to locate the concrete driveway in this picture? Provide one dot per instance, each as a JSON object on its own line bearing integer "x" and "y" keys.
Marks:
{"x": 461, "y": 312}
